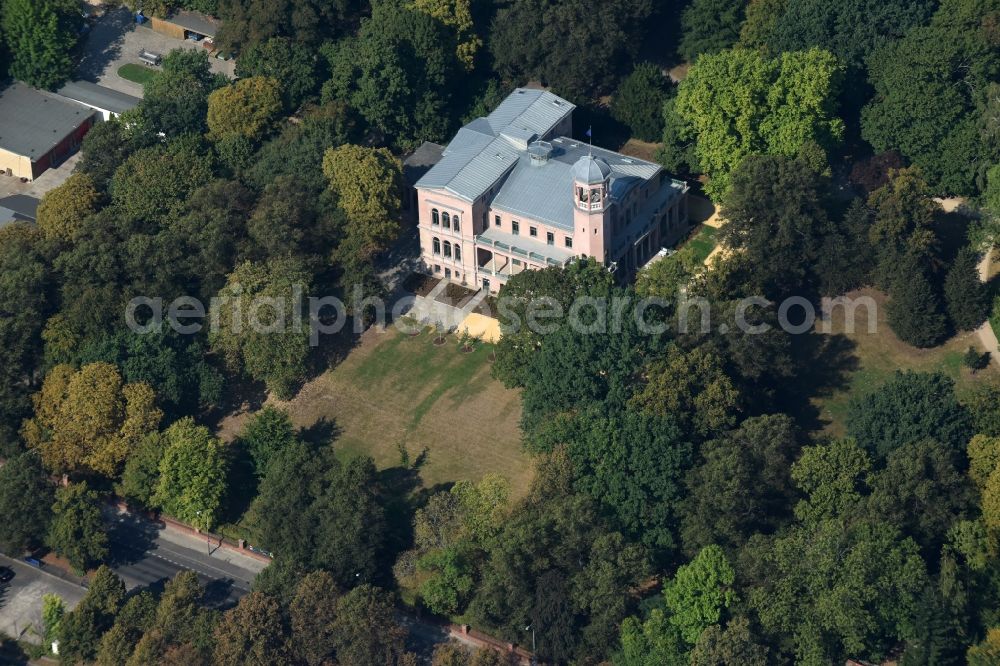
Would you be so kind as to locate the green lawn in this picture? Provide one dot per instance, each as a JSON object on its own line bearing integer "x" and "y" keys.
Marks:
{"x": 879, "y": 355}
{"x": 396, "y": 391}
{"x": 702, "y": 243}
{"x": 136, "y": 73}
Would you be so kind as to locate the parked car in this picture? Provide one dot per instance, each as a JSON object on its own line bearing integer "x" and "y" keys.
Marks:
{"x": 6, "y": 574}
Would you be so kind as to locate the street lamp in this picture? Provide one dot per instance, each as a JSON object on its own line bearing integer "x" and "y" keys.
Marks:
{"x": 208, "y": 539}
{"x": 531, "y": 629}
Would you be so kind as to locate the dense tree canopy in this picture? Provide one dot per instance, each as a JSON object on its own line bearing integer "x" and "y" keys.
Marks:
{"x": 40, "y": 35}
{"x": 292, "y": 64}
{"x": 399, "y": 73}
{"x": 850, "y": 29}
{"x": 929, "y": 101}
{"x": 576, "y": 47}
{"x": 910, "y": 407}
{"x": 709, "y": 26}
{"x": 90, "y": 419}
{"x": 77, "y": 528}
{"x": 639, "y": 100}
{"x": 192, "y": 476}
{"x": 26, "y": 496}
{"x": 738, "y": 103}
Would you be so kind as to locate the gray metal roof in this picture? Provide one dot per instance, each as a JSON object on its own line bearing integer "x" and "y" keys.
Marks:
{"x": 591, "y": 170}
{"x": 487, "y": 148}
{"x": 99, "y": 97}
{"x": 196, "y": 22}
{"x": 33, "y": 122}
{"x": 22, "y": 205}
{"x": 495, "y": 150}
{"x": 544, "y": 192}
{"x": 537, "y": 110}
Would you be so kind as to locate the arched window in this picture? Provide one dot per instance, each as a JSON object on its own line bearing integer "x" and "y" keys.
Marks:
{"x": 445, "y": 221}
{"x": 434, "y": 217}
{"x": 458, "y": 252}
{"x": 447, "y": 249}
{"x": 437, "y": 246}
{"x": 454, "y": 222}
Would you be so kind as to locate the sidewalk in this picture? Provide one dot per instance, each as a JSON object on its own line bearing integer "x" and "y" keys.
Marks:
{"x": 184, "y": 539}
{"x": 987, "y": 336}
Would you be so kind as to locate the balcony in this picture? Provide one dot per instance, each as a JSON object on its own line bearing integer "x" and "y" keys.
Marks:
{"x": 526, "y": 248}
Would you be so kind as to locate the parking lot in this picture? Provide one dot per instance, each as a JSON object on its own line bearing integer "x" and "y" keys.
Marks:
{"x": 21, "y": 599}
{"x": 115, "y": 40}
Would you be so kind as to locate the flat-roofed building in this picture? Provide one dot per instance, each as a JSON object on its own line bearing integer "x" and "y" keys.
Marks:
{"x": 186, "y": 24}
{"x": 109, "y": 103}
{"x": 39, "y": 130}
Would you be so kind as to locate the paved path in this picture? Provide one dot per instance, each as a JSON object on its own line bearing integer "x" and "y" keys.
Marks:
{"x": 115, "y": 40}
{"x": 986, "y": 334}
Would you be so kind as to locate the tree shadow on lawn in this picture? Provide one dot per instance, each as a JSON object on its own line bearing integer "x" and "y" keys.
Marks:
{"x": 322, "y": 433}
{"x": 402, "y": 493}
{"x": 824, "y": 364}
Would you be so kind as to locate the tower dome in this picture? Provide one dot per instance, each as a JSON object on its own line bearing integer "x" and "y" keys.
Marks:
{"x": 591, "y": 170}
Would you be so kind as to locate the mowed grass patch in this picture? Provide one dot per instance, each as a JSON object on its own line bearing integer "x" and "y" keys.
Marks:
{"x": 136, "y": 73}
{"x": 702, "y": 243}
{"x": 880, "y": 354}
{"x": 394, "y": 391}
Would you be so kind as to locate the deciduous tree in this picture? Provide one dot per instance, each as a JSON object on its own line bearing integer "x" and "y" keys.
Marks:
{"x": 61, "y": 210}
{"x": 358, "y": 611}
{"x": 77, "y": 528}
{"x": 741, "y": 486}
{"x": 292, "y": 64}
{"x": 248, "y": 108}
{"x": 367, "y": 182}
{"x": 265, "y": 435}
{"x": 709, "y": 26}
{"x": 26, "y": 497}
{"x": 739, "y": 103}
{"x": 639, "y": 102}
{"x": 733, "y": 645}
{"x": 90, "y": 419}
{"x": 699, "y": 593}
{"x": 809, "y": 571}
{"x": 910, "y": 407}
{"x": 777, "y": 222}
{"x": 192, "y": 478}
{"x": 267, "y": 337}
{"x": 577, "y": 47}
{"x": 40, "y": 35}
{"x": 927, "y": 85}
{"x": 149, "y": 188}
{"x": 134, "y": 619}
{"x": 312, "y": 615}
{"x": 81, "y": 629}
{"x": 253, "y": 631}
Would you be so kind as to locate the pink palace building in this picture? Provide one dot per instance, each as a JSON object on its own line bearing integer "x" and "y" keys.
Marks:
{"x": 513, "y": 192}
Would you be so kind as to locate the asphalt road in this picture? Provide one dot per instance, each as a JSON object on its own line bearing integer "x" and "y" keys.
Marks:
{"x": 145, "y": 555}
